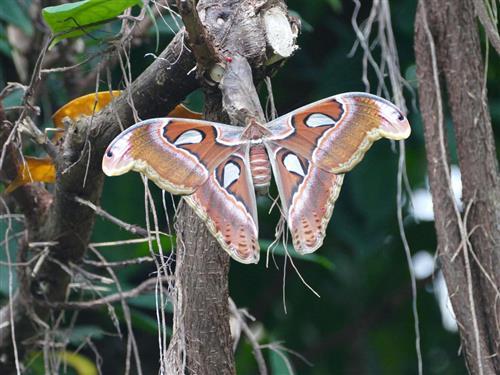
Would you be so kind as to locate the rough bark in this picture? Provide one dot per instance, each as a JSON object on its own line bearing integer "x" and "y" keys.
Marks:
{"x": 201, "y": 315}
{"x": 79, "y": 174}
{"x": 448, "y": 51}
{"x": 202, "y": 342}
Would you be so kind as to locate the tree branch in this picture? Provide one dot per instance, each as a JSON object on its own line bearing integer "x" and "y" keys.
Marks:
{"x": 157, "y": 90}
{"x": 135, "y": 229}
{"x": 203, "y": 48}
{"x": 145, "y": 286}
{"x": 440, "y": 36}
{"x": 261, "y": 363}
{"x": 489, "y": 26}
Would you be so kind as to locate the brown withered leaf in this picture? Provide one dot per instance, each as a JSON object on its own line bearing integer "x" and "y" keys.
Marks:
{"x": 184, "y": 112}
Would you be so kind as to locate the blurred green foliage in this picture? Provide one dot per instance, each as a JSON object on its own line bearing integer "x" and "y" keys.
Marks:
{"x": 363, "y": 323}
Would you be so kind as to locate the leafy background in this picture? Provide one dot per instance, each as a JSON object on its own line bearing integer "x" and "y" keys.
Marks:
{"x": 363, "y": 321}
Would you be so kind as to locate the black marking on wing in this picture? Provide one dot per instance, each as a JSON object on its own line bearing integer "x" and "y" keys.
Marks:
{"x": 342, "y": 110}
{"x": 305, "y": 164}
{"x": 219, "y": 176}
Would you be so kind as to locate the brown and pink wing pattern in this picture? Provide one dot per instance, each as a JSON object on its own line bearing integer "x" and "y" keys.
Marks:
{"x": 335, "y": 133}
{"x": 226, "y": 201}
{"x": 308, "y": 195}
{"x": 178, "y": 155}
{"x": 310, "y": 149}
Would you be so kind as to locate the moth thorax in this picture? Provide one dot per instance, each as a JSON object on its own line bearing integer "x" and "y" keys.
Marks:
{"x": 261, "y": 169}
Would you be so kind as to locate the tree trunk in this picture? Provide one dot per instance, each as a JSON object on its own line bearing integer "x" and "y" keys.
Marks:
{"x": 201, "y": 316}
{"x": 447, "y": 46}
{"x": 223, "y": 36}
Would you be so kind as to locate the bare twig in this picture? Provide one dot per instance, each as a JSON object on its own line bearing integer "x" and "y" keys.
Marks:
{"x": 488, "y": 22}
{"x": 161, "y": 268}
{"x": 121, "y": 242}
{"x": 122, "y": 263}
{"x": 203, "y": 48}
{"x": 131, "y": 342}
{"x": 261, "y": 363}
{"x": 145, "y": 286}
{"x": 132, "y": 228}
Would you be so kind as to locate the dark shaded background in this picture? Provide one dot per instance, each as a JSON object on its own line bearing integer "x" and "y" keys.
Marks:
{"x": 363, "y": 322}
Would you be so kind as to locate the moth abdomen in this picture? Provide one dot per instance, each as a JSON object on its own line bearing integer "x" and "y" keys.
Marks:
{"x": 261, "y": 168}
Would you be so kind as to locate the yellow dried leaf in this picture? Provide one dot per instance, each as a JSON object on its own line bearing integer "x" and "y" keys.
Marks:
{"x": 33, "y": 170}
{"x": 89, "y": 104}
{"x": 84, "y": 105}
{"x": 80, "y": 363}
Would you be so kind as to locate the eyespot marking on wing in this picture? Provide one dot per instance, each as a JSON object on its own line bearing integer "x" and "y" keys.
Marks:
{"x": 189, "y": 137}
{"x": 319, "y": 119}
{"x": 231, "y": 173}
{"x": 293, "y": 164}
{"x": 396, "y": 125}
{"x": 393, "y": 114}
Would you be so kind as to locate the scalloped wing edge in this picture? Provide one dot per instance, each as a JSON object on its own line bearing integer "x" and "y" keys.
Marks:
{"x": 231, "y": 250}
{"x": 325, "y": 220}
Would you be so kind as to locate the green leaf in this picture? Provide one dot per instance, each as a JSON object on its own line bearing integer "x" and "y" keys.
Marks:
{"x": 280, "y": 250}
{"x": 5, "y": 48}
{"x": 80, "y": 363}
{"x": 167, "y": 244}
{"x": 15, "y": 98}
{"x": 142, "y": 321}
{"x": 148, "y": 301}
{"x": 166, "y": 25}
{"x": 304, "y": 25}
{"x": 80, "y": 333}
{"x": 78, "y": 18}
{"x": 335, "y": 4}
{"x": 12, "y": 12}
{"x": 4, "y": 269}
{"x": 279, "y": 363}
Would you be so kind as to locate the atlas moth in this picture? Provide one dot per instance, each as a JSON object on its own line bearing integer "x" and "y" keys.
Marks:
{"x": 220, "y": 168}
